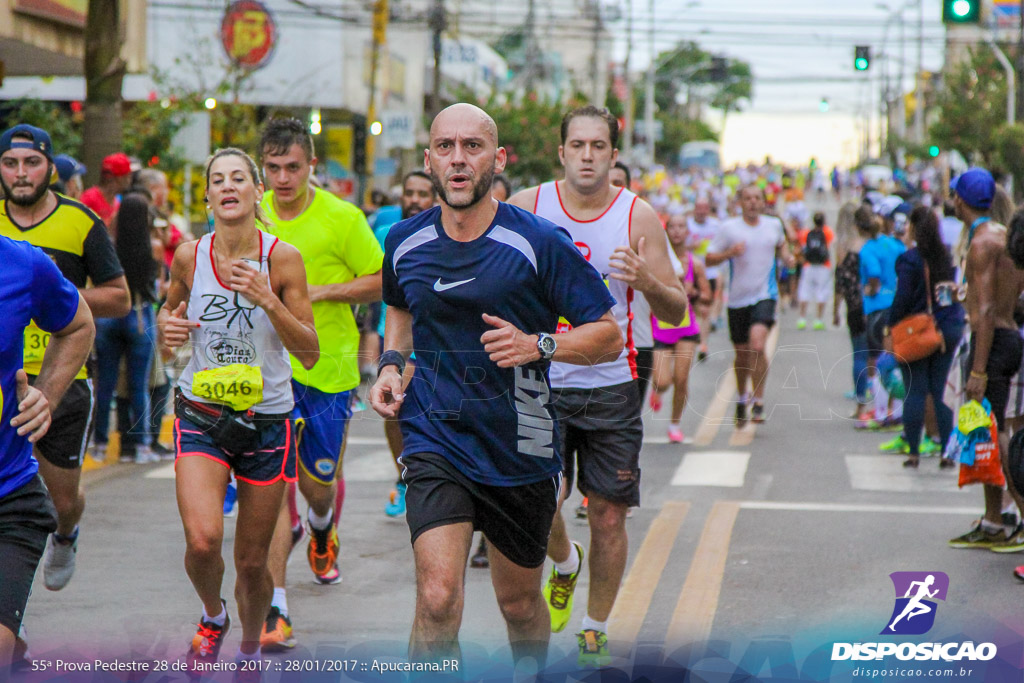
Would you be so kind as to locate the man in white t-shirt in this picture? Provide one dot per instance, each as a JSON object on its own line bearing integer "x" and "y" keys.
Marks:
{"x": 751, "y": 244}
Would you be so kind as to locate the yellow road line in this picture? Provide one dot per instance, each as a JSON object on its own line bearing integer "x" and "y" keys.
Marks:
{"x": 698, "y": 601}
{"x": 637, "y": 591}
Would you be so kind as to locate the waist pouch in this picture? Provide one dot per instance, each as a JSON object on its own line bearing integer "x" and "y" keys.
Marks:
{"x": 237, "y": 431}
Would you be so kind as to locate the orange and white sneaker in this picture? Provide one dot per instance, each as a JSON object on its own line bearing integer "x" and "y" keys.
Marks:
{"x": 322, "y": 552}
{"x": 277, "y": 632}
{"x": 207, "y": 641}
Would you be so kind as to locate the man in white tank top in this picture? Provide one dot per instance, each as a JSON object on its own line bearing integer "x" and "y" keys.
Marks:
{"x": 597, "y": 406}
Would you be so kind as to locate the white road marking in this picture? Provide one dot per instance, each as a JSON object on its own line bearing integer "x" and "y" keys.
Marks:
{"x": 885, "y": 472}
{"x": 790, "y": 506}
{"x": 712, "y": 468}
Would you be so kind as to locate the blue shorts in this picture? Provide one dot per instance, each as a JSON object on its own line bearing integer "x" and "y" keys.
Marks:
{"x": 320, "y": 423}
{"x": 273, "y": 461}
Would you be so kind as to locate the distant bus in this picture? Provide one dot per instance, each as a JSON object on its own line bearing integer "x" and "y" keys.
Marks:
{"x": 703, "y": 154}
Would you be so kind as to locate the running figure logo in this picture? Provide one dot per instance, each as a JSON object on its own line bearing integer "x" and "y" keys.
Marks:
{"x": 914, "y": 612}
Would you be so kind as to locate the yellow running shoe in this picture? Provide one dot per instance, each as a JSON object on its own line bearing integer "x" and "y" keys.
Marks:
{"x": 593, "y": 649}
{"x": 558, "y": 593}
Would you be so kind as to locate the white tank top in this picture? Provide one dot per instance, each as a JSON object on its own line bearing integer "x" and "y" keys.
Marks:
{"x": 234, "y": 330}
{"x": 596, "y": 239}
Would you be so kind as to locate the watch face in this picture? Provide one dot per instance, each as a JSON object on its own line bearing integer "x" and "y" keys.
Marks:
{"x": 547, "y": 345}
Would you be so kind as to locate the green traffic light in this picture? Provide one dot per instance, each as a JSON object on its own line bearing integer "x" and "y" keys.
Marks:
{"x": 933, "y": 151}
{"x": 961, "y": 11}
{"x": 961, "y": 8}
{"x": 860, "y": 64}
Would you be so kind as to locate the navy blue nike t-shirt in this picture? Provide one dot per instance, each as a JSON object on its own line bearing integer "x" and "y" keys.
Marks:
{"x": 31, "y": 288}
{"x": 495, "y": 424}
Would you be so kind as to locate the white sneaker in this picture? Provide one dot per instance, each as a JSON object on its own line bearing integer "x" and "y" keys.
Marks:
{"x": 98, "y": 452}
{"x": 58, "y": 562}
{"x": 145, "y": 454}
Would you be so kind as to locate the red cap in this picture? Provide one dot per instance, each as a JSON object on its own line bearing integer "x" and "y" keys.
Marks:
{"x": 117, "y": 165}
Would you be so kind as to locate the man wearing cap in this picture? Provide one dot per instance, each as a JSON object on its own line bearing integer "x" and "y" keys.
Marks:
{"x": 78, "y": 243}
{"x": 70, "y": 172}
{"x": 993, "y": 284}
{"x": 115, "y": 179}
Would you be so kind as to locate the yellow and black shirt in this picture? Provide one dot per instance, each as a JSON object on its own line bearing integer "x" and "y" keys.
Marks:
{"x": 77, "y": 241}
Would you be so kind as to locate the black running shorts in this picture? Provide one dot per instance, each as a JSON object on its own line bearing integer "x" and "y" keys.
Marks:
{"x": 65, "y": 442}
{"x": 515, "y": 519}
{"x": 644, "y": 365}
{"x": 742, "y": 319}
{"x": 600, "y": 434}
{"x": 1004, "y": 360}
{"x": 27, "y": 517}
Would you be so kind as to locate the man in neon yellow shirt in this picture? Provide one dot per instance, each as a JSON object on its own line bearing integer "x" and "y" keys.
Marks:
{"x": 343, "y": 262}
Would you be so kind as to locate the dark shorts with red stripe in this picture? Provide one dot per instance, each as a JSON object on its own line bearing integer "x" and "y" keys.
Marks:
{"x": 274, "y": 460}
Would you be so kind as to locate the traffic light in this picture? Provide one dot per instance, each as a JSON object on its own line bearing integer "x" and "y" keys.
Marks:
{"x": 823, "y": 105}
{"x": 961, "y": 11}
{"x": 861, "y": 57}
{"x": 933, "y": 151}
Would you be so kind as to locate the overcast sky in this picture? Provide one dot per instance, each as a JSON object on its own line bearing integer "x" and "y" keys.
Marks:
{"x": 800, "y": 51}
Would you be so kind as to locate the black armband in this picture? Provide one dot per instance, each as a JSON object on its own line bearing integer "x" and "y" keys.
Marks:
{"x": 391, "y": 358}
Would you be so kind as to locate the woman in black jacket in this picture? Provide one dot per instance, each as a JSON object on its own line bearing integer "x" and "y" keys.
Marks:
{"x": 928, "y": 375}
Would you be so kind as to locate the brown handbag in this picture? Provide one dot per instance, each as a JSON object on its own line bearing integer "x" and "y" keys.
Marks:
{"x": 917, "y": 336}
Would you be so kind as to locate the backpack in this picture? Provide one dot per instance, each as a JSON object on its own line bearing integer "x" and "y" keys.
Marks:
{"x": 816, "y": 249}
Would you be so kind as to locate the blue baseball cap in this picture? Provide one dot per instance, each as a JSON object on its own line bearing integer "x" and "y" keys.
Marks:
{"x": 975, "y": 187}
{"x": 39, "y": 140}
{"x": 68, "y": 167}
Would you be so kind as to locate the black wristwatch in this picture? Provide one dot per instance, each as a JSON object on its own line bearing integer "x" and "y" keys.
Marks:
{"x": 546, "y": 345}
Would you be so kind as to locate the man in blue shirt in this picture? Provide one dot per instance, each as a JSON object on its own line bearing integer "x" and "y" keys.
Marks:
{"x": 32, "y": 289}
{"x": 476, "y": 287}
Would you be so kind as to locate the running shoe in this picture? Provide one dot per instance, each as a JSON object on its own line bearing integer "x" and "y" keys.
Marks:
{"x": 655, "y": 401}
{"x": 581, "y": 509}
{"x": 231, "y": 500}
{"x": 298, "y": 531}
{"x": 162, "y": 451}
{"x": 757, "y": 413}
{"x": 331, "y": 578}
{"x": 127, "y": 453}
{"x": 801, "y": 324}
{"x": 277, "y": 632}
{"x": 819, "y": 325}
{"x": 145, "y": 455}
{"x": 593, "y": 649}
{"x": 897, "y": 445}
{"x": 1018, "y": 573}
{"x": 702, "y": 354}
{"x": 207, "y": 641}
{"x": 479, "y": 559}
{"x": 866, "y": 424}
{"x": 1014, "y": 544}
{"x": 396, "y": 501}
{"x": 675, "y": 434}
{"x": 59, "y": 563}
{"x": 929, "y": 447}
{"x": 98, "y": 452}
{"x": 322, "y": 551}
{"x": 558, "y": 593}
{"x": 979, "y": 538}
{"x": 741, "y": 412}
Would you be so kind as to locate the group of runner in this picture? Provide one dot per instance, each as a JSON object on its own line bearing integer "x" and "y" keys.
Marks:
{"x": 539, "y": 295}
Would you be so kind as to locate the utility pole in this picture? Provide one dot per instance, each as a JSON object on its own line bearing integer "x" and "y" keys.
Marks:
{"x": 918, "y": 90}
{"x": 649, "y": 93}
{"x": 598, "y": 96}
{"x": 380, "y": 29}
{"x": 1020, "y": 60}
{"x": 530, "y": 43}
{"x": 627, "y": 138}
{"x": 438, "y": 23}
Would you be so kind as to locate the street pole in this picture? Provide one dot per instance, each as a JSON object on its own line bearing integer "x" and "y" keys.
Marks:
{"x": 918, "y": 90}
{"x": 1011, "y": 92}
{"x": 438, "y": 24}
{"x": 627, "y": 138}
{"x": 649, "y": 93}
{"x": 380, "y": 28}
{"x": 531, "y": 48}
{"x": 595, "y": 83}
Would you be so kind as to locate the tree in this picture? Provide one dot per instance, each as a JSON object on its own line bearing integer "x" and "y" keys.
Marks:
{"x": 104, "y": 74}
{"x": 52, "y": 117}
{"x": 972, "y": 106}
{"x": 530, "y": 131}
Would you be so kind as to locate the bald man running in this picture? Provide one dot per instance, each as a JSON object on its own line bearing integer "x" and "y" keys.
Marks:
{"x": 480, "y": 284}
